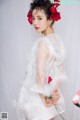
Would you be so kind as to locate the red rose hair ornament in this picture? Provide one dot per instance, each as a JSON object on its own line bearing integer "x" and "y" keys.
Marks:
{"x": 56, "y": 0}
{"x": 30, "y": 17}
{"x": 55, "y": 16}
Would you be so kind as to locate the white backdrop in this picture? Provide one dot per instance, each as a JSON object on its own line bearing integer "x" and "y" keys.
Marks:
{"x": 16, "y": 39}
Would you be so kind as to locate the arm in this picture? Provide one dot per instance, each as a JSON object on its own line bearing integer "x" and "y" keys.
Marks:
{"x": 42, "y": 54}
{"x": 41, "y": 58}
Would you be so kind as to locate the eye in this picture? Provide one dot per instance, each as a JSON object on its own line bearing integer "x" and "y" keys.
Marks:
{"x": 39, "y": 18}
{"x": 33, "y": 18}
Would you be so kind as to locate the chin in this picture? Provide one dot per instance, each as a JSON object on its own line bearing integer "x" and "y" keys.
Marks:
{"x": 39, "y": 31}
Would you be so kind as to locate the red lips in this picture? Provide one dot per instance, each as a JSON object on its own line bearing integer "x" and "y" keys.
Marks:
{"x": 37, "y": 28}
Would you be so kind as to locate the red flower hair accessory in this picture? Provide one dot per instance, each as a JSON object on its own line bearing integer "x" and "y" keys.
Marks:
{"x": 29, "y": 15}
{"x": 56, "y": 0}
{"x": 55, "y": 16}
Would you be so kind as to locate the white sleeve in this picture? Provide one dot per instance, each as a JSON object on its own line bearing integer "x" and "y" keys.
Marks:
{"x": 43, "y": 57}
{"x": 60, "y": 66}
{"x": 41, "y": 62}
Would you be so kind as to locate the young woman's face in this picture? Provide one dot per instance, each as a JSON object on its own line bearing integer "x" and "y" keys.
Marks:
{"x": 40, "y": 21}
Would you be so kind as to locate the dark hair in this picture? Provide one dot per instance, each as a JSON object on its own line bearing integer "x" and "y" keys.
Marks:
{"x": 42, "y": 5}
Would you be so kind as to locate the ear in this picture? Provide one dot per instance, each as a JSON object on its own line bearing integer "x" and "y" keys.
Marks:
{"x": 50, "y": 21}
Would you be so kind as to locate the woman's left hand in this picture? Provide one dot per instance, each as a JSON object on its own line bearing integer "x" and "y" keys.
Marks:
{"x": 55, "y": 95}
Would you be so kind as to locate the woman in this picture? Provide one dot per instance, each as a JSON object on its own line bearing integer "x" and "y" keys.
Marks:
{"x": 40, "y": 94}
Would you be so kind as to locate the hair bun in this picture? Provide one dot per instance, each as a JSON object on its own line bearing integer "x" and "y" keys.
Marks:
{"x": 41, "y": 1}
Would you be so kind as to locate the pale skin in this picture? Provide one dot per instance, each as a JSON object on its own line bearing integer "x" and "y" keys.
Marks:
{"x": 53, "y": 101}
{"x": 44, "y": 27}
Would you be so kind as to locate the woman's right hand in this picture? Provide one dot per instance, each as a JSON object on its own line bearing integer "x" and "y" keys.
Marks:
{"x": 54, "y": 99}
{"x": 49, "y": 102}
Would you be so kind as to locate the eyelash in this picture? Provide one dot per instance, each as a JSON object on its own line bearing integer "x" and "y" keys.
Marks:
{"x": 38, "y": 18}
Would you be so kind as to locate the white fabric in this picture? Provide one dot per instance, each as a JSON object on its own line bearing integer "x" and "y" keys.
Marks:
{"x": 16, "y": 39}
{"x": 46, "y": 60}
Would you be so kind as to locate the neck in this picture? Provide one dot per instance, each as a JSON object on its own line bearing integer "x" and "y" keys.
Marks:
{"x": 48, "y": 31}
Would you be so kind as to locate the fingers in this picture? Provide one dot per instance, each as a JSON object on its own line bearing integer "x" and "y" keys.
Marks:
{"x": 50, "y": 102}
{"x": 55, "y": 92}
{"x": 56, "y": 96}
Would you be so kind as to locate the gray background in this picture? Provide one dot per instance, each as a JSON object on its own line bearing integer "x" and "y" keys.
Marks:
{"x": 16, "y": 39}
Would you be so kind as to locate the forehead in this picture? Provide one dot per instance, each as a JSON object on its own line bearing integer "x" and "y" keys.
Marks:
{"x": 38, "y": 12}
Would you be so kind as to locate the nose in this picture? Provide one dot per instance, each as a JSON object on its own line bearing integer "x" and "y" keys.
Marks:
{"x": 35, "y": 22}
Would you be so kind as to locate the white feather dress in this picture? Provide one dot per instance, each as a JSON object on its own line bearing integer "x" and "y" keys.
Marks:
{"x": 46, "y": 59}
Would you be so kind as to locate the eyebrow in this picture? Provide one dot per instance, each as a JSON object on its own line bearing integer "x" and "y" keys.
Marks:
{"x": 37, "y": 16}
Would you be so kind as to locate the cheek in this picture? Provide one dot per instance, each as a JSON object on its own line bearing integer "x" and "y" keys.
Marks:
{"x": 44, "y": 24}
